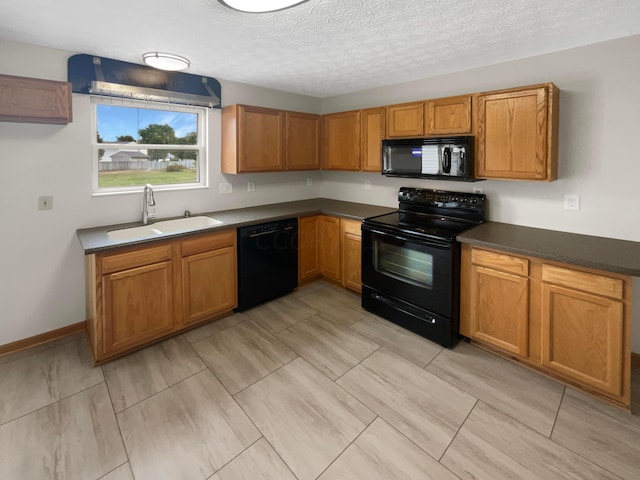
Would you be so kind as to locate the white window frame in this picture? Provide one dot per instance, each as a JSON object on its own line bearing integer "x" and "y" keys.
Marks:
{"x": 201, "y": 146}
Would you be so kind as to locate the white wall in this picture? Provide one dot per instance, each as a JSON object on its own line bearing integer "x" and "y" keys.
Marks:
{"x": 598, "y": 155}
{"x": 42, "y": 281}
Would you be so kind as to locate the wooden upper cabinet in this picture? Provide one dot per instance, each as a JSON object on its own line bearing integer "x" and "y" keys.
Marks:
{"x": 448, "y": 116}
{"x": 517, "y": 134}
{"x": 252, "y": 139}
{"x": 405, "y": 120}
{"x": 34, "y": 100}
{"x": 373, "y": 132}
{"x": 302, "y": 141}
{"x": 341, "y": 141}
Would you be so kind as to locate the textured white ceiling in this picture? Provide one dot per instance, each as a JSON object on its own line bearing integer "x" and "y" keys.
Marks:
{"x": 322, "y": 47}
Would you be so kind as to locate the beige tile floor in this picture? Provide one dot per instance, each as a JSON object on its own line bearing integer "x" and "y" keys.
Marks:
{"x": 308, "y": 386}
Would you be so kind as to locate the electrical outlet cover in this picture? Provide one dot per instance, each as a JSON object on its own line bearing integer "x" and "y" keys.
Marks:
{"x": 572, "y": 202}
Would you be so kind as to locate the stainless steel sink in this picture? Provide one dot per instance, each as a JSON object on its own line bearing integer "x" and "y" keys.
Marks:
{"x": 163, "y": 228}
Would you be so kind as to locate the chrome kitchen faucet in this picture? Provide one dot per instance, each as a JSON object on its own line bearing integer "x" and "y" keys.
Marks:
{"x": 147, "y": 201}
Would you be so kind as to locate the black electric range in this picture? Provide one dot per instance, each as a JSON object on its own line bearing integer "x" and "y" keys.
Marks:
{"x": 411, "y": 260}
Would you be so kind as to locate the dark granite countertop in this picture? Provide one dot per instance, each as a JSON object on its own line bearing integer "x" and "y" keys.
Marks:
{"x": 96, "y": 239}
{"x": 608, "y": 254}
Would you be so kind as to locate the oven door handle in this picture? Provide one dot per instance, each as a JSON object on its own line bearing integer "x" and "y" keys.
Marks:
{"x": 380, "y": 298}
{"x": 423, "y": 241}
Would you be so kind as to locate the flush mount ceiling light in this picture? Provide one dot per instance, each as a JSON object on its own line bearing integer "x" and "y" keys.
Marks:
{"x": 260, "y": 6}
{"x": 165, "y": 61}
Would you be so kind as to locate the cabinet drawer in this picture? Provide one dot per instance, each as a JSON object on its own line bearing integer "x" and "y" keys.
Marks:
{"x": 206, "y": 243}
{"x": 135, "y": 258}
{"x": 351, "y": 226}
{"x": 499, "y": 261}
{"x": 587, "y": 282}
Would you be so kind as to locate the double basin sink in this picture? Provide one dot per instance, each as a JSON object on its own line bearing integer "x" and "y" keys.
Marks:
{"x": 165, "y": 227}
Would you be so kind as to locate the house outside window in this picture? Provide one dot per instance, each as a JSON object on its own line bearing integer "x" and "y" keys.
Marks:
{"x": 135, "y": 143}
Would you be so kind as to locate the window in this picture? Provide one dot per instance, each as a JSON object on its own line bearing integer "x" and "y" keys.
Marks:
{"x": 135, "y": 143}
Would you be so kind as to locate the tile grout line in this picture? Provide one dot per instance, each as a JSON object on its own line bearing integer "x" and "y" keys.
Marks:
{"x": 555, "y": 419}
{"x": 115, "y": 416}
{"x": 354, "y": 366}
{"x": 261, "y": 378}
{"x": 214, "y": 333}
{"x": 53, "y": 403}
{"x": 276, "y": 452}
{"x": 111, "y": 471}
{"x": 239, "y": 453}
{"x": 588, "y": 460}
{"x": 163, "y": 390}
{"x": 457, "y": 432}
{"x": 348, "y": 445}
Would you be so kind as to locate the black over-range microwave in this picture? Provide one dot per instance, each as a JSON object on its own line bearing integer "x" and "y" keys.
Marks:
{"x": 443, "y": 158}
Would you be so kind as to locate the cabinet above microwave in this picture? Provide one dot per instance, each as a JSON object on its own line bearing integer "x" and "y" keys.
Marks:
{"x": 443, "y": 158}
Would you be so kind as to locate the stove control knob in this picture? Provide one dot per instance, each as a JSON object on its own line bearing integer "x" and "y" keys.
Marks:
{"x": 465, "y": 200}
{"x": 474, "y": 200}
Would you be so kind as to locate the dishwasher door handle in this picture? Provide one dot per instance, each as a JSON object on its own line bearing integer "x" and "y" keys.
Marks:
{"x": 273, "y": 232}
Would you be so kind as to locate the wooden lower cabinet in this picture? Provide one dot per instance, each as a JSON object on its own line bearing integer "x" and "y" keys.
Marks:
{"x": 351, "y": 254}
{"x": 582, "y": 328}
{"x": 499, "y": 302}
{"x": 330, "y": 249}
{"x": 138, "y": 305}
{"x": 137, "y": 295}
{"x": 308, "y": 251}
{"x": 570, "y": 322}
{"x": 209, "y": 282}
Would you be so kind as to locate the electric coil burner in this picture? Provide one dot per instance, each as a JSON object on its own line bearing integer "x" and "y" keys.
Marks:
{"x": 411, "y": 261}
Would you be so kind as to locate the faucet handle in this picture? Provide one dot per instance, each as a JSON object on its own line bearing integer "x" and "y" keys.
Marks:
{"x": 187, "y": 213}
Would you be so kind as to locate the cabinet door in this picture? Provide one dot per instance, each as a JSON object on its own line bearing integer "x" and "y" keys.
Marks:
{"x": 209, "y": 284}
{"x": 582, "y": 331}
{"x": 341, "y": 141}
{"x": 500, "y": 309}
{"x": 308, "y": 250}
{"x": 405, "y": 120}
{"x": 330, "y": 259}
{"x": 373, "y": 132}
{"x": 445, "y": 116}
{"x": 513, "y": 135}
{"x": 34, "y": 100}
{"x": 302, "y": 141}
{"x": 138, "y": 306}
{"x": 351, "y": 254}
{"x": 260, "y": 139}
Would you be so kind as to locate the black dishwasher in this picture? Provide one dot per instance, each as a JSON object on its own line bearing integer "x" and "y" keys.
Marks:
{"x": 267, "y": 261}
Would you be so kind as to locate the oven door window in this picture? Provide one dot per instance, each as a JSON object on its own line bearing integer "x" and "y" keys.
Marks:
{"x": 403, "y": 263}
{"x": 415, "y": 270}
